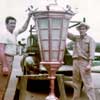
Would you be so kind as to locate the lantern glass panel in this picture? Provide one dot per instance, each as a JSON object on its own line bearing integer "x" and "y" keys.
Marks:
{"x": 54, "y": 56}
{"x": 43, "y": 23}
{"x": 56, "y": 23}
{"x": 45, "y": 45}
{"x": 46, "y": 56}
{"x": 64, "y": 29}
{"x": 61, "y": 55}
{"x": 44, "y": 34}
{"x": 65, "y": 23}
{"x": 55, "y": 45}
{"x": 64, "y": 33}
{"x": 55, "y": 34}
{"x": 62, "y": 46}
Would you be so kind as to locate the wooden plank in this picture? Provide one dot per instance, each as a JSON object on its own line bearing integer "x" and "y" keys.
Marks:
{"x": 60, "y": 80}
{"x": 69, "y": 83}
{"x": 23, "y": 88}
{"x": 68, "y": 78}
{"x": 35, "y": 76}
{"x": 11, "y": 88}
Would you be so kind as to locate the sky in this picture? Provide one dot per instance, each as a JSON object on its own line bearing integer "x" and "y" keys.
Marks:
{"x": 83, "y": 8}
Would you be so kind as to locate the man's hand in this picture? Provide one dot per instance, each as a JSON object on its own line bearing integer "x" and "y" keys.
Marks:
{"x": 88, "y": 68}
{"x": 30, "y": 13}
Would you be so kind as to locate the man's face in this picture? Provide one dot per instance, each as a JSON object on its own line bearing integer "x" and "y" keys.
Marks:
{"x": 82, "y": 30}
{"x": 11, "y": 25}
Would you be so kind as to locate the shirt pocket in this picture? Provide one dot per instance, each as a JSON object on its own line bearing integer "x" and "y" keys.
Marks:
{"x": 86, "y": 45}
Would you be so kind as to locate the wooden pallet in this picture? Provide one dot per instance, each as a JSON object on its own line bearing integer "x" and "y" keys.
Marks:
{"x": 23, "y": 84}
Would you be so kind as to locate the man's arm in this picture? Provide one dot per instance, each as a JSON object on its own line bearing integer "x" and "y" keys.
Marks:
{"x": 24, "y": 27}
{"x": 2, "y": 55}
{"x": 71, "y": 36}
{"x": 92, "y": 47}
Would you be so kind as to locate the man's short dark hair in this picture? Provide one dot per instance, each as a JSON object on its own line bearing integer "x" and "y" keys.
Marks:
{"x": 9, "y": 18}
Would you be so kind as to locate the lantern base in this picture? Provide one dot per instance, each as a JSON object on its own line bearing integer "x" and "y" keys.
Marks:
{"x": 51, "y": 97}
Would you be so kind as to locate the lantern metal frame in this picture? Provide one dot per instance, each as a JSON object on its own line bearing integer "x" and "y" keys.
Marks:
{"x": 49, "y": 61}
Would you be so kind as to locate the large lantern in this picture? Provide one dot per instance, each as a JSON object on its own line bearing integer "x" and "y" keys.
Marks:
{"x": 51, "y": 26}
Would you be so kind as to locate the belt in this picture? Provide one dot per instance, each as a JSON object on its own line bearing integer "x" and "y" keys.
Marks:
{"x": 9, "y": 55}
{"x": 79, "y": 58}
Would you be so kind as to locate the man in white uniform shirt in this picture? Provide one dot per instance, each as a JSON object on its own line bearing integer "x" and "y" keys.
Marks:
{"x": 8, "y": 42}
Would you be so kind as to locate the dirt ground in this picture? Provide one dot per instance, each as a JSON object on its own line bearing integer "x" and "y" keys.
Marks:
{"x": 41, "y": 96}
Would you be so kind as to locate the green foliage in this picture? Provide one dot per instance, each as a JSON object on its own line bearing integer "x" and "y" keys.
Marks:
{"x": 97, "y": 47}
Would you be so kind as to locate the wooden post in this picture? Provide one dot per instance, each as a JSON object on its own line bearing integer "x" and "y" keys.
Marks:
{"x": 60, "y": 81}
{"x": 23, "y": 88}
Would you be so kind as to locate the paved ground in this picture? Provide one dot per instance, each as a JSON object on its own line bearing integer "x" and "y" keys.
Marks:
{"x": 39, "y": 96}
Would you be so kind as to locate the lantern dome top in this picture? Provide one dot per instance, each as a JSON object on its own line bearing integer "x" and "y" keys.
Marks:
{"x": 55, "y": 8}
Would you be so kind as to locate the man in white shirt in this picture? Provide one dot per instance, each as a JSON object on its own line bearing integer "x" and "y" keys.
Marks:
{"x": 8, "y": 42}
